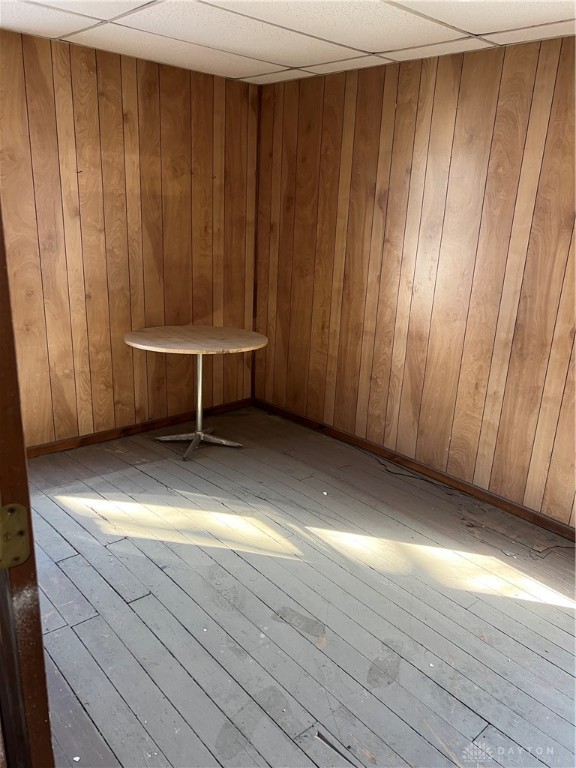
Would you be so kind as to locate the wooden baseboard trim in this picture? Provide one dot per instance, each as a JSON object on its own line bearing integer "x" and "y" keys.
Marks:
{"x": 132, "y": 429}
{"x": 530, "y": 515}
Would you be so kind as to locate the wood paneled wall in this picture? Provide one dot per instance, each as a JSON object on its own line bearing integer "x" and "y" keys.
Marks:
{"x": 415, "y": 262}
{"x": 128, "y": 192}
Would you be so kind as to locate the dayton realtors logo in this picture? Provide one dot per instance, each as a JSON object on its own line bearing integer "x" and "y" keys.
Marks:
{"x": 477, "y": 754}
{"x": 480, "y": 755}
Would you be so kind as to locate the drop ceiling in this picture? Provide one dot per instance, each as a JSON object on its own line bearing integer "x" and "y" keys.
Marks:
{"x": 267, "y": 41}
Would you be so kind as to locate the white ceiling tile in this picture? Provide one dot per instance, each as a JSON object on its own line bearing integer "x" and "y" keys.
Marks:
{"x": 133, "y": 42}
{"x": 362, "y": 62}
{"x": 561, "y": 29}
{"x": 483, "y": 16}
{"x": 455, "y": 46}
{"x": 216, "y": 28}
{"x": 278, "y": 77}
{"x": 98, "y": 9}
{"x": 37, "y": 20}
{"x": 367, "y": 25}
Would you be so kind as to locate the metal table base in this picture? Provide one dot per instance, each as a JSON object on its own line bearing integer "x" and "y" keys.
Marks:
{"x": 199, "y": 435}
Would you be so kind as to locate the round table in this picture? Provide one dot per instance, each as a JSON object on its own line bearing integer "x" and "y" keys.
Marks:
{"x": 196, "y": 340}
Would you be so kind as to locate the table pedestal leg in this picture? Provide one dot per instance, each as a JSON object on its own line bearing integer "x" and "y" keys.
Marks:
{"x": 199, "y": 435}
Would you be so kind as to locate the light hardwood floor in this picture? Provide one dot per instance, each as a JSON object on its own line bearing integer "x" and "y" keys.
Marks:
{"x": 295, "y": 603}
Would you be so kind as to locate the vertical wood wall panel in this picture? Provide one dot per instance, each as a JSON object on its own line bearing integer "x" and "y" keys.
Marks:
{"x": 72, "y": 233}
{"x": 127, "y": 203}
{"x": 358, "y": 234}
{"x": 429, "y": 238}
{"x": 89, "y": 170}
{"x": 115, "y": 218}
{"x": 442, "y": 309}
{"x": 21, "y": 236}
{"x": 176, "y": 143}
{"x": 392, "y": 249}
{"x": 305, "y": 219}
{"x": 48, "y": 199}
{"x": 508, "y": 141}
{"x": 202, "y": 152}
{"x": 466, "y": 187}
{"x": 544, "y": 274}
{"x": 332, "y": 117}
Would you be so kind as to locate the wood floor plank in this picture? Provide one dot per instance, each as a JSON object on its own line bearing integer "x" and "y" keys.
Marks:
{"x": 301, "y": 588}
{"x": 124, "y": 733}
{"x": 154, "y": 710}
{"x": 254, "y": 715}
{"x": 276, "y": 666}
{"x": 71, "y": 726}
{"x": 63, "y": 594}
{"x": 498, "y": 661}
{"x": 51, "y": 618}
{"x": 50, "y": 539}
{"x": 215, "y": 741}
{"x": 90, "y": 548}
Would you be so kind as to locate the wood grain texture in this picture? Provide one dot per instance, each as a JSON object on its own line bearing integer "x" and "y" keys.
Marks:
{"x": 559, "y": 492}
{"x": 115, "y": 227}
{"x": 176, "y": 145}
{"x": 521, "y": 227}
{"x": 358, "y": 236}
{"x": 392, "y": 247}
{"x": 544, "y": 273}
{"x": 305, "y": 220}
{"x": 441, "y": 254}
{"x": 481, "y": 77}
{"x": 48, "y": 200}
{"x": 504, "y": 167}
{"x": 117, "y": 217}
{"x": 21, "y": 237}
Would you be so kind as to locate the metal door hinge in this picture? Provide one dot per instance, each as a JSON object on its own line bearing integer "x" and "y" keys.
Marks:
{"x": 14, "y": 536}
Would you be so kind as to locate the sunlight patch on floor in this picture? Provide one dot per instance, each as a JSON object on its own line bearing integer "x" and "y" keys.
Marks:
{"x": 200, "y": 527}
{"x": 454, "y": 569}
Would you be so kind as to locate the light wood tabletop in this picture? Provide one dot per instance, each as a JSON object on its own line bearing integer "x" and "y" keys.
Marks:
{"x": 195, "y": 340}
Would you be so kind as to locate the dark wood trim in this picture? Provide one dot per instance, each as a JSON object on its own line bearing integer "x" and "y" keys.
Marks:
{"x": 471, "y": 490}
{"x": 23, "y": 694}
{"x": 133, "y": 429}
